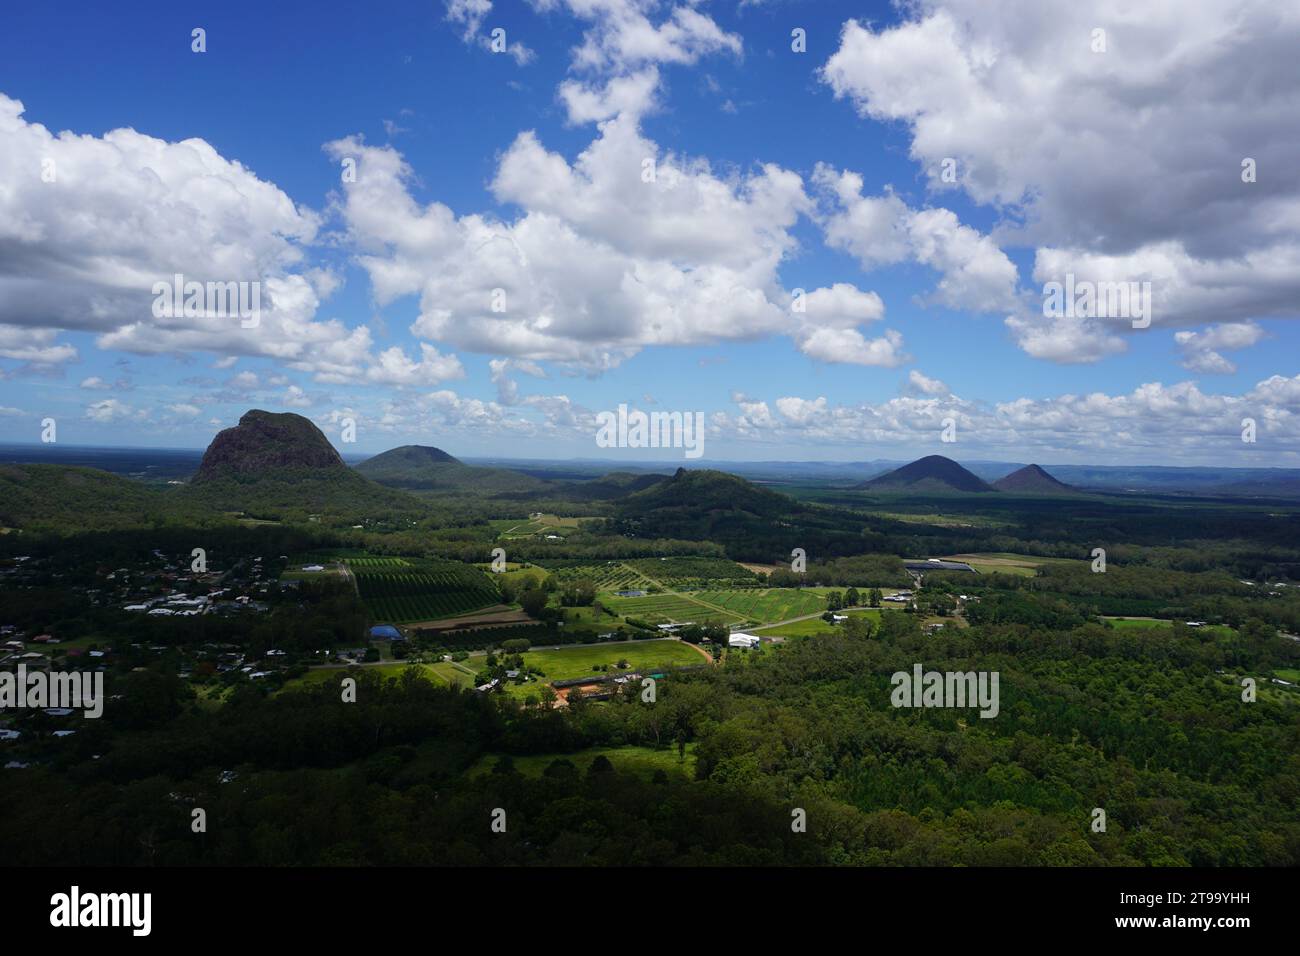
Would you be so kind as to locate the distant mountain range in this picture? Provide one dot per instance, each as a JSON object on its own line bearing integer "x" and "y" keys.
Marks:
{"x": 289, "y": 441}
{"x": 1113, "y": 479}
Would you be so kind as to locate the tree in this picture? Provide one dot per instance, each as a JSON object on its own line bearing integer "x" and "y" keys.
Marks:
{"x": 579, "y": 593}
{"x": 852, "y": 598}
{"x": 533, "y": 601}
{"x": 876, "y": 597}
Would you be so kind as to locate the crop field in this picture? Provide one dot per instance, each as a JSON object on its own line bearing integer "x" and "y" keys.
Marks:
{"x": 334, "y": 560}
{"x": 693, "y": 572}
{"x": 766, "y": 605}
{"x": 351, "y": 557}
{"x": 608, "y": 576}
{"x": 422, "y": 590}
{"x": 668, "y": 609}
{"x": 373, "y": 563}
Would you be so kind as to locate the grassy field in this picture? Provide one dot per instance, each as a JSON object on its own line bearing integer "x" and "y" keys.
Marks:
{"x": 813, "y": 625}
{"x": 567, "y": 663}
{"x": 589, "y": 617}
{"x": 766, "y": 605}
{"x": 1003, "y": 562}
{"x": 441, "y": 672}
{"x": 945, "y": 520}
{"x": 733, "y": 606}
{"x": 1153, "y": 624}
{"x": 1288, "y": 673}
{"x": 529, "y": 527}
{"x": 1137, "y": 623}
{"x": 643, "y": 761}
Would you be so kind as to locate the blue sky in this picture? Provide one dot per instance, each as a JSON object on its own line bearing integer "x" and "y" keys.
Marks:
{"x": 1071, "y": 158}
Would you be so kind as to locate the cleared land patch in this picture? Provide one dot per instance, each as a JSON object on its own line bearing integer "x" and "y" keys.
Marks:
{"x": 1001, "y": 562}
{"x": 567, "y": 663}
{"x": 813, "y": 625}
{"x": 440, "y": 673}
{"x": 766, "y": 605}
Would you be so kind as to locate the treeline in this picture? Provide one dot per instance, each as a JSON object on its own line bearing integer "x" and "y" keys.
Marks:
{"x": 1124, "y": 590}
{"x": 868, "y": 570}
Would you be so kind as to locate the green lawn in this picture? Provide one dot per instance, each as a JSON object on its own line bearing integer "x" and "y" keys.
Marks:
{"x": 570, "y": 662}
{"x": 521, "y": 576}
{"x": 728, "y": 606}
{"x": 589, "y": 617}
{"x": 813, "y": 625}
{"x": 1137, "y": 623}
{"x": 1152, "y": 624}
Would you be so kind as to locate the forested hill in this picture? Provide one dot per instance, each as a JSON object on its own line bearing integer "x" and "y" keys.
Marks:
{"x": 1150, "y": 727}
{"x": 264, "y": 443}
{"x": 66, "y": 498}
{"x": 750, "y": 522}
{"x": 282, "y": 467}
{"x": 934, "y": 473}
{"x": 425, "y": 468}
